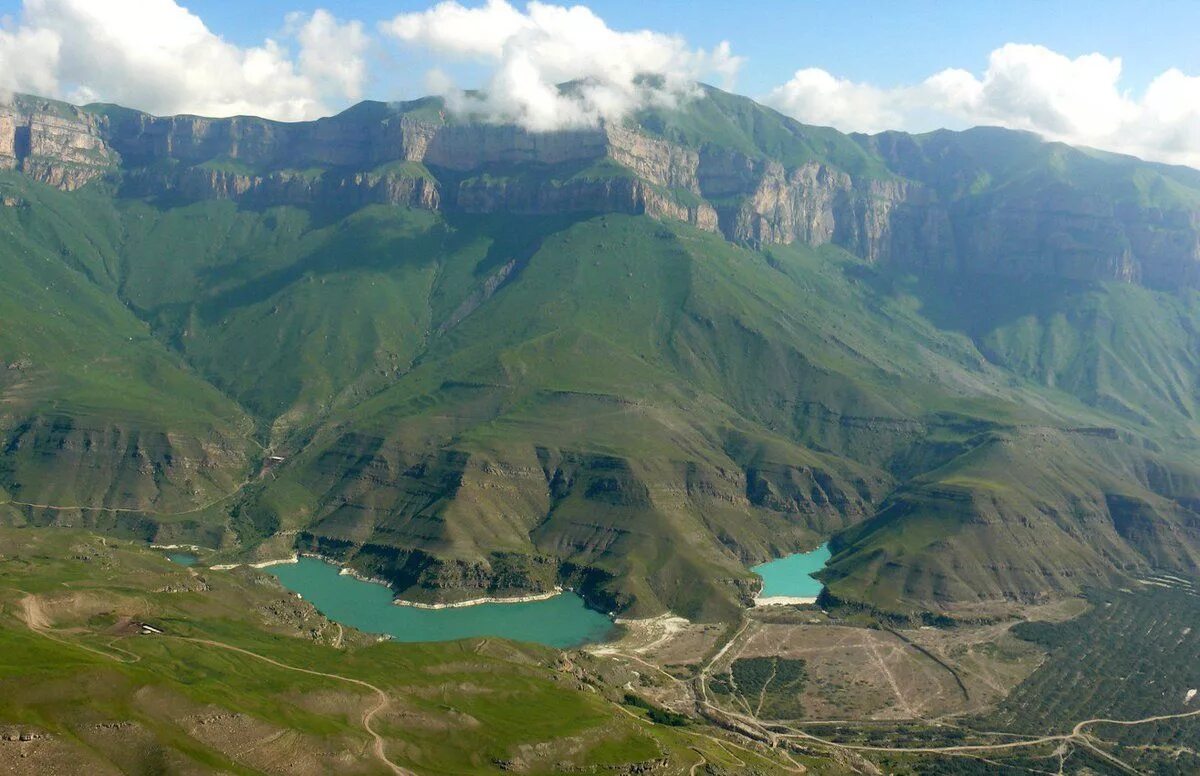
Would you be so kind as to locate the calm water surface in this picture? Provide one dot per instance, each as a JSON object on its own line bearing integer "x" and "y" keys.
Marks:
{"x": 561, "y": 621}
{"x": 182, "y": 558}
{"x": 792, "y": 575}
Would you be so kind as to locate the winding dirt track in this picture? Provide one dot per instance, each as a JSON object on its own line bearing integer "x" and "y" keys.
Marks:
{"x": 368, "y": 715}
{"x": 1076, "y": 735}
{"x": 770, "y": 732}
{"x": 36, "y": 620}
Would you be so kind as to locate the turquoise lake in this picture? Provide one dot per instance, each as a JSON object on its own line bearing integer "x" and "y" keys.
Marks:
{"x": 792, "y": 575}
{"x": 182, "y": 558}
{"x": 562, "y": 621}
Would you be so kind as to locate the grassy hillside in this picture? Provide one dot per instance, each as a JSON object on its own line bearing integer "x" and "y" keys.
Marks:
{"x": 246, "y": 679}
{"x": 469, "y": 403}
{"x": 91, "y": 400}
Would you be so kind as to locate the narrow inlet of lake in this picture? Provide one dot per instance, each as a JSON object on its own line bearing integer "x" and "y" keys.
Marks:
{"x": 790, "y": 577}
{"x": 562, "y": 621}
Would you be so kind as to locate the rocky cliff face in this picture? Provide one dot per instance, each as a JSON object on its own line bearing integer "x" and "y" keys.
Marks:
{"x": 817, "y": 204}
{"x": 1074, "y": 234}
{"x": 286, "y": 187}
{"x": 56, "y": 144}
{"x": 924, "y": 214}
{"x": 8, "y": 141}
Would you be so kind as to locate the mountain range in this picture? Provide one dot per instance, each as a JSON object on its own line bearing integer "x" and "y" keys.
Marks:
{"x": 634, "y": 359}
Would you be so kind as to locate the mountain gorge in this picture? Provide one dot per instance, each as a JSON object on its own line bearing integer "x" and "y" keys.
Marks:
{"x": 472, "y": 359}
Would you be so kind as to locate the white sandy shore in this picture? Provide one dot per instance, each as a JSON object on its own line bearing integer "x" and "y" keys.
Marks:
{"x": 517, "y": 599}
{"x": 783, "y": 600}
{"x": 279, "y": 562}
{"x": 346, "y": 571}
{"x": 643, "y": 634}
{"x": 260, "y": 565}
{"x": 349, "y": 572}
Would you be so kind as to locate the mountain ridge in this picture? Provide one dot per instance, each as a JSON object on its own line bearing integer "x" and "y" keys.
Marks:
{"x": 635, "y": 359}
{"x": 811, "y": 185}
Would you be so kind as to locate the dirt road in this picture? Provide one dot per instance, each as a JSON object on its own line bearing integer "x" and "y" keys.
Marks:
{"x": 37, "y": 621}
{"x": 382, "y": 703}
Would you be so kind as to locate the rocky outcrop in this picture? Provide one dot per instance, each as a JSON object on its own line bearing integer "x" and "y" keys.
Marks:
{"x": 466, "y": 147}
{"x": 8, "y": 142}
{"x": 816, "y": 204}
{"x": 1074, "y": 234}
{"x": 56, "y": 144}
{"x": 654, "y": 160}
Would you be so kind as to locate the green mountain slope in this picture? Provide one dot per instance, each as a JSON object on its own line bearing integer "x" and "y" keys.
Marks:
{"x": 97, "y": 412}
{"x": 633, "y": 359}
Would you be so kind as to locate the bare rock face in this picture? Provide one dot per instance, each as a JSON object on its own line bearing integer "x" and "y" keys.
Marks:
{"x": 56, "y": 144}
{"x": 1077, "y": 235}
{"x": 795, "y": 206}
{"x": 475, "y": 146}
{"x": 8, "y": 141}
{"x": 287, "y": 187}
{"x": 654, "y": 160}
{"x": 816, "y": 204}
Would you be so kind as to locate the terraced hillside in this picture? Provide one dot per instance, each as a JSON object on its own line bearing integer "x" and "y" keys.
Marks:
{"x": 635, "y": 359}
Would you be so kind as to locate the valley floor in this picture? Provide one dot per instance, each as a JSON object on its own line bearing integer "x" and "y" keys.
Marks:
{"x": 921, "y": 700}
{"x": 115, "y": 660}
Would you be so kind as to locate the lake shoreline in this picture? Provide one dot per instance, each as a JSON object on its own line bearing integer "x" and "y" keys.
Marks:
{"x": 518, "y": 599}
{"x": 554, "y": 618}
{"x": 789, "y": 580}
{"x": 345, "y": 570}
{"x": 784, "y": 600}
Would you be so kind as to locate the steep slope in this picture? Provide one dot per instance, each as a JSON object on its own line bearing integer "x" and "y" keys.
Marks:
{"x": 1022, "y": 515}
{"x": 633, "y": 358}
{"x": 1021, "y": 207}
{"x": 580, "y": 416}
{"x": 95, "y": 411}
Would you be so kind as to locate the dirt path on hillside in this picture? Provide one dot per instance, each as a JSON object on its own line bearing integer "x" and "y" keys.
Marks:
{"x": 1076, "y": 736}
{"x": 382, "y": 703}
{"x": 773, "y": 733}
{"x": 33, "y": 614}
{"x": 35, "y": 618}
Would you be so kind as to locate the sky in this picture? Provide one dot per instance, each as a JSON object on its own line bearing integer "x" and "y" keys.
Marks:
{"x": 1121, "y": 76}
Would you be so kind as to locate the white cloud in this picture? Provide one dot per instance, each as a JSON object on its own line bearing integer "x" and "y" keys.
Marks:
{"x": 1027, "y": 87}
{"x": 816, "y": 96}
{"x": 331, "y": 53}
{"x": 158, "y": 56}
{"x": 28, "y": 60}
{"x": 532, "y": 52}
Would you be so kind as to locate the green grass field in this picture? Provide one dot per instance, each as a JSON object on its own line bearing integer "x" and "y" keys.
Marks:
{"x": 184, "y": 701}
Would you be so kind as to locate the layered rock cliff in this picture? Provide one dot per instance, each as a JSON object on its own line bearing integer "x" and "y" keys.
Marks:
{"x": 940, "y": 201}
{"x": 57, "y": 144}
